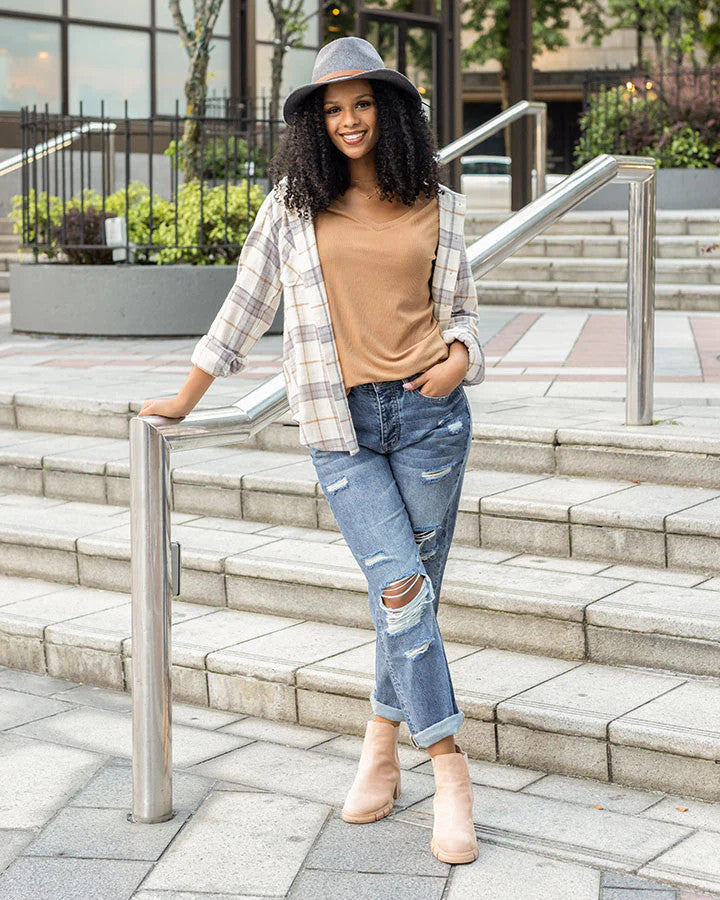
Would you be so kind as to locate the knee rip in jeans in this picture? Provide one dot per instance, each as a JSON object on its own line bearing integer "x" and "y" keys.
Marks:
{"x": 422, "y": 535}
{"x": 437, "y": 474}
{"x": 372, "y": 559}
{"x": 337, "y": 485}
{"x": 407, "y": 615}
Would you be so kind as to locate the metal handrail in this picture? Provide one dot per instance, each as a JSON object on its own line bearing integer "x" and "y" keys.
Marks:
{"x": 497, "y": 123}
{"x": 155, "y": 560}
{"x": 57, "y": 143}
{"x": 497, "y": 245}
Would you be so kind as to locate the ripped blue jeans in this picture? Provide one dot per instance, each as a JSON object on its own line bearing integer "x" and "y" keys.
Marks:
{"x": 396, "y": 504}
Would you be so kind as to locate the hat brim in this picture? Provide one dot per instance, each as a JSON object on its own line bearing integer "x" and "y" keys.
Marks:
{"x": 296, "y": 97}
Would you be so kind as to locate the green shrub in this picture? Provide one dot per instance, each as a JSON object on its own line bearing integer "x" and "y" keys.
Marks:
{"x": 241, "y": 201}
{"x": 618, "y": 122}
{"x": 223, "y": 156}
{"x": 220, "y": 225}
{"x": 685, "y": 148}
{"x": 676, "y": 122}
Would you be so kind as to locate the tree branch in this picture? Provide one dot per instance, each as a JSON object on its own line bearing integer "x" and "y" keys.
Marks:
{"x": 182, "y": 28}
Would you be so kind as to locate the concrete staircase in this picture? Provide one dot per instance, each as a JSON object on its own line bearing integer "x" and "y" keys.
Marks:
{"x": 9, "y": 252}
{"x": 579, "y": 607}
{"x": 582, "y": 261}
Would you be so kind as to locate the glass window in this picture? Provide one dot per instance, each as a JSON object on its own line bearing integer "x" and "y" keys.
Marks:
{"x": 163, "y": 19}
{"x": 52, "y": 7}
{"x": 129, "y": 12}
{"x": 264, "y": 26}
{"x": 385, "y": 38}
{"x": 110, "y": 65}
{"x": 420, "y": 64}
{"x": 297, "y": 68}
{"x": 29, "y": 64}
{"x": 172, "y": 67}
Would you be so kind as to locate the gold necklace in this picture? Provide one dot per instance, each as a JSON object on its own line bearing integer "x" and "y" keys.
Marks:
{"x": 367, "y": 196}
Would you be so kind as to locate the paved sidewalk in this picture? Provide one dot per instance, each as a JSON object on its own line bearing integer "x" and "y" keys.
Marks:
{"x": 257, "y": 814}
{"x": 545, "y": 348}
{"x": 554, "y": 368}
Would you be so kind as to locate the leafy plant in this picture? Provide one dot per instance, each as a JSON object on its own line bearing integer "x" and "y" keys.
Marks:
{"x": 83, "y": 227}
{"x": 671, "y": 118}
{"x": 684, "y": 148}
{"x": 618, "y": 121}
{"x": 222, "y": 226}
{"x": 207, "y": 232}
{"x": 223, "y": 157}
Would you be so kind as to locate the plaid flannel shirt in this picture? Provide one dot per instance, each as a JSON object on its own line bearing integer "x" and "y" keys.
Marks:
{"x": 280, "y": 255}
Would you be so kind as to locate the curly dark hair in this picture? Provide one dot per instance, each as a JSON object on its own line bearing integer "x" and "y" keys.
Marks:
{"x": 317, "y": 172}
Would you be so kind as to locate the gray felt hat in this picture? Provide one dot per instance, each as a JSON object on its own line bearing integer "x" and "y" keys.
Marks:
{"x": 343, "y": 59}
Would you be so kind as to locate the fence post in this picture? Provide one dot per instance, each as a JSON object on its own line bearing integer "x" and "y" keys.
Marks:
{"x": 151, "y": 614}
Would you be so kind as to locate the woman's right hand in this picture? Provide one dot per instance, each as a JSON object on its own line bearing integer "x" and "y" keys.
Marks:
{"x": 170, "y": 407}
{"x": 186, "y": 399}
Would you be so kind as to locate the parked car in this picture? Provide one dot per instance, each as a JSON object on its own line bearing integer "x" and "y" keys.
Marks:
{"x": 486, "y": 181}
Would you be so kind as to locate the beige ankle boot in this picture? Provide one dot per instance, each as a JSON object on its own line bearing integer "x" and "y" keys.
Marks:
{"x": 377, "y": 781}
{"x": 453, "y": 837}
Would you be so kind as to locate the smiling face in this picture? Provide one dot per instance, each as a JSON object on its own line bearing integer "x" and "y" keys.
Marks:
{"x": 350, "y": 114}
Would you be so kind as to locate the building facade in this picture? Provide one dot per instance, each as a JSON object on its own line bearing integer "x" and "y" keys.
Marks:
{"x": 64, "y": 53}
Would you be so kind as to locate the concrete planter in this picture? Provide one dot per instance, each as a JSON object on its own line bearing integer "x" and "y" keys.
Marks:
{"x": 691, "y": 189}
{"x": 120, "y": 300}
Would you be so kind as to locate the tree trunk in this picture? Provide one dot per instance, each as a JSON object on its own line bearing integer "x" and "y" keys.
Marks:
{"x": 193, "y": 162}
{"x": 276, "y": 78}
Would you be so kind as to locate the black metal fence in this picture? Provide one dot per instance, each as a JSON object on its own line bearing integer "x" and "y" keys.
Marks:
{"x": 666, "y": 112}
{"x": 79, "y": 171}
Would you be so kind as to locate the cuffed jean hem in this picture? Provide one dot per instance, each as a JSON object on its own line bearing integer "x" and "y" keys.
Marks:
{"x": 387, "y": 712}
{"x": 438, "y": 731}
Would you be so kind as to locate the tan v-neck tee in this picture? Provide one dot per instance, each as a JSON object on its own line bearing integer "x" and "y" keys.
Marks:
{"x": 377, "y": 277}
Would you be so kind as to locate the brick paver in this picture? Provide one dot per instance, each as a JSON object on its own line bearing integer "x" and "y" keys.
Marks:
{"x": 238, "y": 832}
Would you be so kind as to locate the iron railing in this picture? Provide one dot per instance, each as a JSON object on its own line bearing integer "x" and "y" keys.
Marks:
{"x": 133, "y": 168}
{"x": 642, "y": 111}
{"x": 155, "y": 560}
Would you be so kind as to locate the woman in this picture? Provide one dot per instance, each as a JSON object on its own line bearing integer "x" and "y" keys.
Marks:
{"x": 380, "y": 334}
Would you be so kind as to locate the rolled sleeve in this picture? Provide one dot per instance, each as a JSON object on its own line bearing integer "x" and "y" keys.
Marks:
{"x": 250, "y": 306}
{"x": 464, "y": 321}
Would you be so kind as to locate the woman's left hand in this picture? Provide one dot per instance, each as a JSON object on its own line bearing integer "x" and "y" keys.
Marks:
{"x": 445, "y": 376}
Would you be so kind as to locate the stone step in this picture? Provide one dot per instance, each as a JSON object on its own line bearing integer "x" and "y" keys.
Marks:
{"x": 607, "y": 295}
{"x": 6, "y": 225}
{"x": 4, "y": 281}
{"x": 668, "y": 222}
{"x": 572, "y": 516}
{"x": 626, "y": 614}
{"x": 613, "y": 246}
{"x": 570, "y": 269}
{"x": 645, "y": 729}
{"x": 34, "y": 426}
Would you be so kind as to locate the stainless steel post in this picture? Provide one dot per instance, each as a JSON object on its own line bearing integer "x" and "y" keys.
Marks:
{"x": 540, "y": 150}
{"x": 640, "y": 332}
{"x": 151, "y": 611}
{"x": 512, "y": 114}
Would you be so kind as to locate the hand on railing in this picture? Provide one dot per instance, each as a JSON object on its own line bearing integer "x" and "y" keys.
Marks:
{"x": 186, "y": 399}
{"x": 170, "y": 407}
